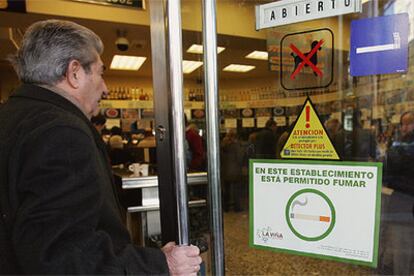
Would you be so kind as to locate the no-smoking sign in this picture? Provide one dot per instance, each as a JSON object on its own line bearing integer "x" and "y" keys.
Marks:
{"x": 306, "y": 59}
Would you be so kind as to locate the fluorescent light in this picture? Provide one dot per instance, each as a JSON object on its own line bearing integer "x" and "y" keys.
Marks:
{"x": 239, "y": 68}
{"x": 258, "y": 55}
{"x": 364, "y": 1}
{"x": 195, "y": 49}
{"x": 189, "y": 66}
{"x": 127, "y": 62}
{"x": 198, "y": 49}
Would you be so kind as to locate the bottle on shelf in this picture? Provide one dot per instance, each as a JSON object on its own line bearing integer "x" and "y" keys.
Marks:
{"x": 124, "y": 93}
{"x": 128, "y": 94}
{"x": 199, "y": 95}
{"x": 223, "y": 95}
{"x": 131, "y": 93}
{"x": 118, "y": 93}
{"x": 135, "y": 96}
{"x": 121, "y": 94}
{"x": 110, "y": 91}
{"x": 191, "y": 96}
{"x": 141, "y": 94}
{"x": 125, "y": 96}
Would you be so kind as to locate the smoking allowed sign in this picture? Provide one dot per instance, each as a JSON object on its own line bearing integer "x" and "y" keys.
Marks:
{"x": 323, "y": 209}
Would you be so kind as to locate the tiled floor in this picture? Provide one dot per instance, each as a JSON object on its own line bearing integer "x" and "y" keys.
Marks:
{"x": 240, "y": 259}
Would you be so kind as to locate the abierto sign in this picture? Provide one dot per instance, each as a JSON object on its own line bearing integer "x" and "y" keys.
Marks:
{"x": 293, "y": 11}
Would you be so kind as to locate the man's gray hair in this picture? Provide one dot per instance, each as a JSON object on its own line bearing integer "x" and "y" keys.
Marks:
{"x": 49, "y": 46}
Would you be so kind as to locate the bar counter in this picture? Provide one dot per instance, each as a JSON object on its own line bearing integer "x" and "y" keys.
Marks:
{"x": 142, "y": 204}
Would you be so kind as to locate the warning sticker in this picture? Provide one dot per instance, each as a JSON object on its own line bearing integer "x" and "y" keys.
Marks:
{"x": 306, "y": 59}
{"x": 308, "y": 139}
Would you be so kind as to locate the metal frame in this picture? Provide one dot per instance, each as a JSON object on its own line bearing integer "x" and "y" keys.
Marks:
{"x": 212, "y": 103}
{"x": 178, "y": 130}
{"x": 170, "y": 196}
{"x": 162, "y": 111}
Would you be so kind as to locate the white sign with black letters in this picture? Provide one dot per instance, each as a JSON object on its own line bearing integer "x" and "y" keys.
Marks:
{"x": 293, "y": 11}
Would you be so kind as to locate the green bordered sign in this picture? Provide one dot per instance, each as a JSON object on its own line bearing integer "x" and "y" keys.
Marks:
{"x": 323, "y": 209}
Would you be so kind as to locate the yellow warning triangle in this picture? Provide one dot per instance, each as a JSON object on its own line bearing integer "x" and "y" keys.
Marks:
{"x": 308, "y": 139}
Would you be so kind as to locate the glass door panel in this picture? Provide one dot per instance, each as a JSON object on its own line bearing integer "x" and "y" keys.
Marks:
{"x": 362, "y": 105}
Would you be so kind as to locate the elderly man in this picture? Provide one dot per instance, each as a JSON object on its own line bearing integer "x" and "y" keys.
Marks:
{"x": 59, "y": 213}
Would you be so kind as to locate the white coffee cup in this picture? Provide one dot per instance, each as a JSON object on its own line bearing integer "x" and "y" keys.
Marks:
{"x": 135, "y": 168}
{"x": 143, "y": 171}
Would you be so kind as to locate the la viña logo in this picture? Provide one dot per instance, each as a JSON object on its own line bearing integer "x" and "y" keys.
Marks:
{"x": 266, "y": 234}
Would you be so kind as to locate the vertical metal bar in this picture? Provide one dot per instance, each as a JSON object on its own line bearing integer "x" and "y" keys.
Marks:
{"x": 210, "y": 76}
{"x": 375, "y": 78}
{"x": 340, "y": 41}
{"x": 178, "y": 131}
{"x": 162, "y": 110}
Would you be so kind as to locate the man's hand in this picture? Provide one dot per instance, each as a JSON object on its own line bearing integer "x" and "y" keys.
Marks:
{"x": 182, "y": 260}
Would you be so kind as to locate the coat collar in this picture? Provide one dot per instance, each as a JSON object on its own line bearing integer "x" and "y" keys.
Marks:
{"x": 39, "y": 93}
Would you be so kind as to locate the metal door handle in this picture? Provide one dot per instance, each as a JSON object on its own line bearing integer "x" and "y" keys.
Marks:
{"x": 160, "y": 130}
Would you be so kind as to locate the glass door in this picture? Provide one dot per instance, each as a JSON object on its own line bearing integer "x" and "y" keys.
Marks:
{"x": 356, "y": 69}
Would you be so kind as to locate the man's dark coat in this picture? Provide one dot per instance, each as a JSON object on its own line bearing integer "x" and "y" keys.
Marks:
{"x": 59, "y": 210}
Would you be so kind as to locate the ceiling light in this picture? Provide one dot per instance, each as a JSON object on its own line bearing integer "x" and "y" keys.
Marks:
{"x": 239, "y": 68}
{"x": 189, "y": 66}
{"x": 198, "y": 49}
{"x": 127, "y": 62}
{"x": 364, "y": 1}
{"x": 258, "y": 55}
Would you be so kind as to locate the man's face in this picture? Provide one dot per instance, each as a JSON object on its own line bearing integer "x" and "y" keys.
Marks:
{"x": 92, "y": 88}
{"x": 407, "y": 124}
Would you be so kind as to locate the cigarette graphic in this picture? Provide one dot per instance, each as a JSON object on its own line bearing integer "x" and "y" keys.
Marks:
{"x": 382, "y": 47}
{"x": 310, "y": 217}
{"x": 307, "y": 217}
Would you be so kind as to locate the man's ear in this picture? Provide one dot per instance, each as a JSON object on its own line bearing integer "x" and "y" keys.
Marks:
{"x": 73, "y": 73}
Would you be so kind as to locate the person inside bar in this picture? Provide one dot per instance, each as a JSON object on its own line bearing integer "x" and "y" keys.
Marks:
{"x": 99, "y": 122}
{"x": 356, "y": 143}
{"x": 195, "y": 143}
{"x": 59, "y": 214}
{"x": 398, "y": 218}
{"x": 118, "y": 154}
{"x": 266, "y": 140}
